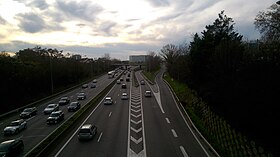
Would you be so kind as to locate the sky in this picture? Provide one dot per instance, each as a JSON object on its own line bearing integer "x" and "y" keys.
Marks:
{"x": 119, "y": 28}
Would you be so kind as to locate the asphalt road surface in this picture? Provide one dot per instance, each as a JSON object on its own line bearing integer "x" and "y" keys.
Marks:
{"x": 141, "y": 126}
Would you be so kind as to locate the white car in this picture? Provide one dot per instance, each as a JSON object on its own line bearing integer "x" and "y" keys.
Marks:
{"x": 108, "y": 101}
{"x": 81, "y": 96}
{"x": 15, "y": 127}
{"x": 51, "y": 108}
{"x": 148, "y": 93}
{"x": 124, "y": 96}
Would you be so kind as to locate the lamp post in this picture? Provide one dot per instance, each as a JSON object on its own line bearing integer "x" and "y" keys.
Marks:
{"x": 51, "y": 71}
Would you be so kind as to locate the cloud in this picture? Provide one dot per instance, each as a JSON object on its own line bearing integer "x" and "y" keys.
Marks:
{"x": 81, "y": 10}
{"x": 31, "y": 22}
{"x": 2, "y": 21}
{"x": 159, "y": 3}
{"x": 106, "y": 27}
{"x": 41, "y": 4}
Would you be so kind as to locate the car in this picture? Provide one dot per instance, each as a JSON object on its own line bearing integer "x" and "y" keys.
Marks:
{"x": 84, "y": 85}
{"x": 74, "y": 106}
{"x": 51, "y": 108}
{"x": 15, "y": 127}
{"x": 64, "y": 101}
{"x": 121, "y": 79}
{"x": 94, "y": 81}
{"x": 28, "y": 112}
{"x": 124, "y": 96}
{"x": 118, "y": 82}
{"x": 11, "y": 148}
{"x": 127, "y": 79}
{"x": 148, "y": 93}
{"x": 142, "y": 82}
{"x": 87, "y": 132}
{"x": 123, "y": 86}
{"x": 93, "y": 85}
{"x": 55, "y": 117}
{"x": 108, "y": 101}
{"x": 81, "y": 96}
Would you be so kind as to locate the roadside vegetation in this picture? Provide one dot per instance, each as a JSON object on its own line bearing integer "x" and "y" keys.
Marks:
{"x": 237, "y": 80}
{"x": 35, "y": 73}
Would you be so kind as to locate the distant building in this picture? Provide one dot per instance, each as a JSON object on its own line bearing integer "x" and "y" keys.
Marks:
{"x": 138, "y": 58}
{"x": 76, "y": 57}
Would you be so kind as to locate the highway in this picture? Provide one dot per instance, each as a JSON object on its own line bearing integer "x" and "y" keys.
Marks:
{"x": 37, "y": 129}
{"x": 141, "y": 126}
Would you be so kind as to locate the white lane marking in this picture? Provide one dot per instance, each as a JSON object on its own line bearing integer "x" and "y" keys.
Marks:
{"x": 157, "y": 96}
{"x": 100, "y": 137}
{"x": 110, "y": 114}
{"x": 207, "y": 154}
{"x": 174, "y": 133}
{"x": 135, "y": 121}
{"x": 136, "y": 141}
{"x": 60, "y": 150}
{"x": 115, "y": 102}
{"x": 133, "y": 129}
{"x": 167, "y": 120}
{"x": 184, "y": 151}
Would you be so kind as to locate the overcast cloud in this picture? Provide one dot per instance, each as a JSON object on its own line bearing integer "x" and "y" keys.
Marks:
{"x": 120, "y": 28}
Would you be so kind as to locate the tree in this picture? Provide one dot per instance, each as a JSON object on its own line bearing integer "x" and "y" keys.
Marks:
{"x": 268, "y": 23}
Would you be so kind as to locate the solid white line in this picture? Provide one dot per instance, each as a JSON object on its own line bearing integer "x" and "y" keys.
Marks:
{"x": 207, "y": 154}
{"x": 184, "y": 152}
{"x": 167, "y": 120}
{"x": 100, "y": 137}
{"x": 110, "y": 114}
{"x": 174, "y": 133}
{"x": 60, "y": 150}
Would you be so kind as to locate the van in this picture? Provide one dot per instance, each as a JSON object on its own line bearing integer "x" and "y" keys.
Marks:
{"x": 87, "y": 132}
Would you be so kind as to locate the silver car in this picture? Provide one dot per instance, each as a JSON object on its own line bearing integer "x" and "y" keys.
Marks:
{"x": 51, "y": 108}
{"x": 87, "y": 132}
{"x": 15, "y": 127}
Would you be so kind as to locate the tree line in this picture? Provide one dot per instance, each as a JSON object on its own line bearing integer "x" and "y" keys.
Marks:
{"x": 238, "y": 79}
{"x": 35, "y": 73}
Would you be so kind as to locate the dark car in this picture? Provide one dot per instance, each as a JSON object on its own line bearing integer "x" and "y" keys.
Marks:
{"x": 64, "y": 101}
{"x": 11, "y": 148}
{"x": 93, "y": 85}
{"x": 55, "y": 117}
{"x": 142, "y": 82}
{"x": 28, "y": 112}
{"x": 123, "y": 86}
{"x": 127, "y": 79}
{"x": 74, "y": 106}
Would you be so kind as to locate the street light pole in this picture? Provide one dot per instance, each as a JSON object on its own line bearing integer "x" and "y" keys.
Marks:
{"x": 51, "y": 71}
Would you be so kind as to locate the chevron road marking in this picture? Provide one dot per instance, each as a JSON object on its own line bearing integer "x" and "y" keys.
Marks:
{"x": 136, "y": 141}
{"x": 138, "y": 130}
{"x": 135, "y": 110}
{"x": 135, "y": 122}
{"x": 136, "y": 116}
{"x": 136, "y": 106}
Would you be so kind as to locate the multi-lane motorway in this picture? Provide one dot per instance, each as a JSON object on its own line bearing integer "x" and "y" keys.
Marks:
{"x": 140, "y": 126}
{"x": 37, "y": 128}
